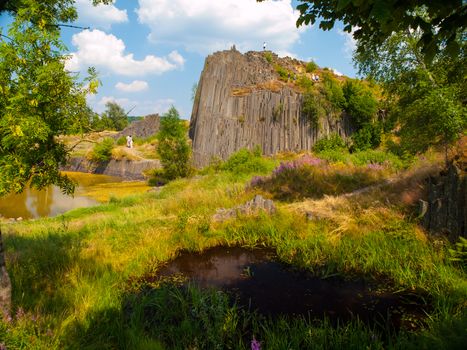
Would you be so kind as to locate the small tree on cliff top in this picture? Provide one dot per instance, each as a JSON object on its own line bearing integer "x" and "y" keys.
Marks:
{"x": 173, "y": 148}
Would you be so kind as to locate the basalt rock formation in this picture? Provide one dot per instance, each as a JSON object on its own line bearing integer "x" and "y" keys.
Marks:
{"x": 243, "y": 101}
{"x": 445, "y": 211}
{"x": 142, "y": 128}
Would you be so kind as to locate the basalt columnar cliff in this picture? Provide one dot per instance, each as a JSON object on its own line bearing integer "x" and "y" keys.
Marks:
{"x": 243, "y": 101}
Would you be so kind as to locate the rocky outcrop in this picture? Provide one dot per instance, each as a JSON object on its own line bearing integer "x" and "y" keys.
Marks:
{"x": 142, "y": 128}
{"x": 241, "y": 102}
{"x": 252, "y": 207}
{"x": 446, "y": 208}
{"x": 125, "y": 168}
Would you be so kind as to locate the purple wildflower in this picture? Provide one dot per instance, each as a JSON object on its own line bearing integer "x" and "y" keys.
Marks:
{"x": 375, "y": 166}
{"x": 256, "y": 181}
{"x": 255, "y": 345}
{"x": 306, "y": 160}
{"x": 19, "y": 313}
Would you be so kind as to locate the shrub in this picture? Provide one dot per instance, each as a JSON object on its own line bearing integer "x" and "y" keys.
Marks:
{"x": 312, "y": 177}
{"x": 314, "y": 107}
{"x": 102, "y": 152}
{"x": 283, "y": 73}
{"x": 311, "y": 67}
{"x": 173, "y": 148}
{"x": 369, "y": 136}
{"x": 268, "y": 56}
{"x": 305, "y": 83}
{"x": 331, "y": 142}
{"x": 245, "y": 162}
{"x": 121, "y": 141}
{"x": 360, "y": 102}
{"x": 334, "y": 93}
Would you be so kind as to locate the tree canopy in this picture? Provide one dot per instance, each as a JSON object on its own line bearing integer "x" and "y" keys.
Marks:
{"x": 426, "y": 99}
{"x": 373, "y": 21}
{"x": 173, "y": 148}
{"x": 39, "y": 99}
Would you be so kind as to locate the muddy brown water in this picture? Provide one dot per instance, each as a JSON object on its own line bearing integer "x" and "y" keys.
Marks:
{"x": 259, "y": 281}
{"x": 50, "y": 201}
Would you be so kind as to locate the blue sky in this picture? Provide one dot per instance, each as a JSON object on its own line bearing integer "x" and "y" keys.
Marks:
{"x": 149, "y": 53}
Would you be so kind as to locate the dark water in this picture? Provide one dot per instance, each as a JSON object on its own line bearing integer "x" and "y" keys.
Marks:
{"x": 51, "y": 201}
{"x": 260, "y": 282}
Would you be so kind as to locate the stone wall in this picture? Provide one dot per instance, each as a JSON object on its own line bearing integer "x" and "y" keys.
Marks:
{"x": 241, "y": 102}
{"x": 126, "y": 169}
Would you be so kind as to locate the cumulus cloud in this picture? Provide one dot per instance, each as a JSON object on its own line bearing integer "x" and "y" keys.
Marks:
{"x": 101, "y": 50}
{"x": 206, "y": 25}
{"x": 101, "y": 15}
{"x": 134, "y": 86}
{"x": 141, "y": 107}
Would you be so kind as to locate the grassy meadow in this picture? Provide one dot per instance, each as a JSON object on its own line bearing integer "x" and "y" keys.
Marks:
{"x": 78, "y": 279}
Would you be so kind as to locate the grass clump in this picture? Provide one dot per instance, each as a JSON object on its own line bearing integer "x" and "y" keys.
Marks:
{"x": 102, "y": 151}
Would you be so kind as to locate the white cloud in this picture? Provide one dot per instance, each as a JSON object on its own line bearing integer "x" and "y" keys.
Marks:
{"x": 206, "y": 25}
{"x": 101, "y": 50}
{"x": 137, "y": 107}
{"x": 336, "y": 72}
{"x": 350, "y": 44}
{"x": 99, "y": 16}
{"x": 134, "y": 86}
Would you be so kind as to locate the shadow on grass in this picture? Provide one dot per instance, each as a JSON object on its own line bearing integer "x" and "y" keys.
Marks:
{"x": 41, "y": 268}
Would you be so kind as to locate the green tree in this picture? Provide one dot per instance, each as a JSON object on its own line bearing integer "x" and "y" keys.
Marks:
{"x": 440, "y": 21}
{"x": 39, "y": 101}
{"x": 360, "y": 102}
{"x": 426, "y": 100}
{"x": 114, "y": 117}
{"x": 173, "y": 148}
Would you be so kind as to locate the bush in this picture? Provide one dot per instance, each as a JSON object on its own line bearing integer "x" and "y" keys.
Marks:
{"x": 245, "y": 162}
{"x": 173, "y": 149}
{"x": 360, "y": 102}
{"x": 310, "y": 177}
{"x": 268, "y": 57}
{"x": 369, "y": 136}
{"x": 121, "y": 141}
{"x": 331, "y": 142}
{"x": 283, "y": 73}
{"x": 311, "y": 67}
{"x": 102, "y": 152}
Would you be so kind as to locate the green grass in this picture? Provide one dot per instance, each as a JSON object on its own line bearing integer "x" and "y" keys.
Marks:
{"x": 72, "y": 275}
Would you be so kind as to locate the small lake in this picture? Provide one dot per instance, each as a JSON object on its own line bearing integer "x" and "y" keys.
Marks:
{"x": 51, "y": 201}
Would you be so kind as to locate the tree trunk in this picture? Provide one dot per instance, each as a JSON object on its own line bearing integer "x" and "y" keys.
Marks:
{"x": 5, "y": 283}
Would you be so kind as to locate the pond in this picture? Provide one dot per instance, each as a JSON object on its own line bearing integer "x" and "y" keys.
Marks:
{"x": 259, "y": 281}
{"x": 91, "y": 190}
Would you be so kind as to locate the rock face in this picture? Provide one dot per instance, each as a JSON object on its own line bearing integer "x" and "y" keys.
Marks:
{"x": 241, "y": 102}
{"x": 142, "y": 128}
{"x": 127, "y": 169}
{"x": 446, "y": 208}
{"x": 249, "y": 208}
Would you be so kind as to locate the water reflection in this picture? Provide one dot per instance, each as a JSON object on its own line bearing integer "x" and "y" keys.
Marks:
{"x": 51, "y": 201}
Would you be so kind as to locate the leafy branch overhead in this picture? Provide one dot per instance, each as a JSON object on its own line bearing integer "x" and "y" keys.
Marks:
{"x": 442, "y": 22}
